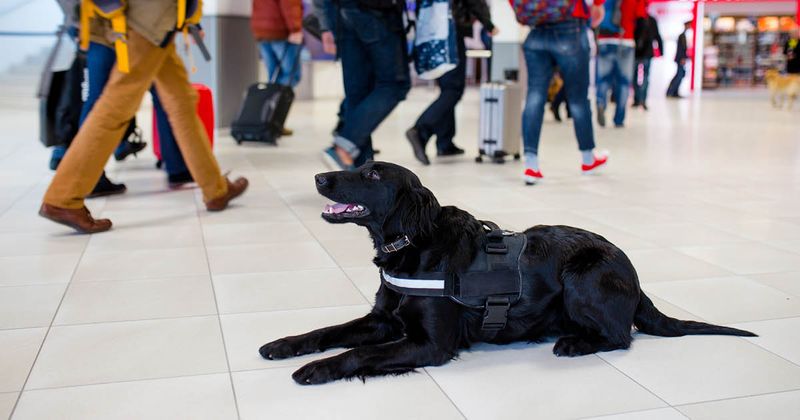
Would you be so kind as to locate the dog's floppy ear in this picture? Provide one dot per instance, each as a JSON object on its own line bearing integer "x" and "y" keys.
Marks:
{"x": 414, "y": 213}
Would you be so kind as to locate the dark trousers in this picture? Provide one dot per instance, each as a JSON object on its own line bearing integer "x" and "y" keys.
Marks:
{"x": 439, "y": 119}
{"x": 372, "y": 47}
{"x": 675, "y": 84}
{"x": 640, "y": 88}
{"x": 171, "y": 155}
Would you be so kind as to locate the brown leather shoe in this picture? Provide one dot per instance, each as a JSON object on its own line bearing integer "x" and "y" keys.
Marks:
{"x": 287, "y": 131}
{"x": 235, "y": 189}
{"x": 78, "y": 219}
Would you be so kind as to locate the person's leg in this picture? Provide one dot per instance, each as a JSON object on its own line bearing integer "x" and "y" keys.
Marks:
{"x": 266, "y": 48}
{"x": 180, "y": 102}
{"x": 170, "y": 153}
{"x": 539, "y": 62}
{"x": 452, "y": 84}
{"x": 637, "y": 85}
{"x": 383, "y": 43}
{"x": 645, "y": 80}
{"x": 291, "y": 66}
{"x": 99, "y": 134}
{"x": 675, "y": 84}
{"x": 571, "y": 52}
{"x": 604, "y": 77}
{"x": 624, "y": 69}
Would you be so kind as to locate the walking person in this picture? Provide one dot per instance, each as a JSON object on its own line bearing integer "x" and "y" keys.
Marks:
{"x": 646, "y": 34}
{"x": 558, "y": 39}
{"x": 439, "y": 119}
{"x": 680, "y": 59}
{"x": 277, "y": 26}
{"x": 370, "y": 40}
{"x": 150, "y": 49}
{"x": 615, "y": 56}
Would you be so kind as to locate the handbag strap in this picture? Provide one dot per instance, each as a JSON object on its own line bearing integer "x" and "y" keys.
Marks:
{"x": 47, "y": 73}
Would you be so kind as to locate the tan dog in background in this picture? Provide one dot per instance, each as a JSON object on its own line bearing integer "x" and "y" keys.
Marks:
{"x": 782, "y": 87}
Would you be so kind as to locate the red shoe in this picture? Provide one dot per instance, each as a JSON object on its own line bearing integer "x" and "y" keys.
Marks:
{"x": 599, "y": 160}
{"x": 532, "y": 177}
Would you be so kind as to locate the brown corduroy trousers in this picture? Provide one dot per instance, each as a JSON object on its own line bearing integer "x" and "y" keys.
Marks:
{"x": 100, "y": 133}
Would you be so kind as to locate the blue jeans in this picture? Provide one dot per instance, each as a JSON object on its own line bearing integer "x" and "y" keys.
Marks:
{"x": 640, "y": 89}
{"x": 170, "y": 153}
{"x": 614, "y": 70}
{"x": 372, "y": 47}
{"x": 565, "y": 45}
{"x": 283, "y": 57}
{"x": 675, "y": 84}
{"x": 440, "y": 117}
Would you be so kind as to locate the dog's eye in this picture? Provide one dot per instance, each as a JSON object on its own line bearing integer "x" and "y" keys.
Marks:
{"x": 373, "y": 175}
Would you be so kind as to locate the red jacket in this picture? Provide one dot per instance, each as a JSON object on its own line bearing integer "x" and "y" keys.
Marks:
{"x": 275, "y": 19}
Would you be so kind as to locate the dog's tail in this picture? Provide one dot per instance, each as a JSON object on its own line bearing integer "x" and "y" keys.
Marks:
{"x": 650, "y": 320}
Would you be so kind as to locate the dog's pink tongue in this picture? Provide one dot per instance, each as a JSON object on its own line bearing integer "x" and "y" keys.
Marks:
{"x": 337, "y": 208}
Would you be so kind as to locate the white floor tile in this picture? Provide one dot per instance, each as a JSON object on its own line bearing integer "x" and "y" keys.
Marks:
{"x": 125, "y": 351}
{"x": 351, "y": 252}
{"x": 657, "y": 414}
{"x": 37, "y": 243}
{"x": 248, "y": 215}
{"x": 254, "y": 233}
{"x": 101, "y": 301}
{"x": 18, "y": 350}
{"x": 684, "y": 234}
{"x": 779, "y": 336}
{"x": 746, "y": 258}
{"x": 142, "y": 264}
{"x": 268, "y": 257}
{"x": 271, "y": 394}
{"x": 193, "y": 397}
{"x": 781, "y": 406}
{"x": 367, "y": 279}
{"x": 246, "y": 333}
{"x": 125, "y": 239}
{"x": 37, "y": 269}
{"x": 662, "y": 264}
{"x": 788, "y": 282}
{"x": 29, "y": 306}
{"x": 7, "y": 401}
{"x": 685, "y": 370}
{"x": 284, "y": 290}
{"x": 527, "y": 380}
{"x": 153, "y": 218}
{"x": 727, "y": 300}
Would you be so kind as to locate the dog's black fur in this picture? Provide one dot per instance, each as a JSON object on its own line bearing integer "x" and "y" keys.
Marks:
{"x": 576, "y": 286}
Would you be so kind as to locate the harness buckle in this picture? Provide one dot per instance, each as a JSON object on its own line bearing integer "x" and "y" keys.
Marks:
{"x": 496, "y": 314}
{"x": 496, "y": 248}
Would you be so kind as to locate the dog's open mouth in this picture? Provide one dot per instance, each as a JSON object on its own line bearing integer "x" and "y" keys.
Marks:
{"x": 344, "y": 211}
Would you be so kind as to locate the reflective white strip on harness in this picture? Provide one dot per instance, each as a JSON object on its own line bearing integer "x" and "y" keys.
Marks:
{"x": 414, "y": 283}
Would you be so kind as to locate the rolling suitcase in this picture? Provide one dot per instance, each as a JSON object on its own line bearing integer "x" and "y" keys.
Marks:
{"x": 205, "y": 110}
{"x": 264, "y": 110}
{"x": 499, "y": 124}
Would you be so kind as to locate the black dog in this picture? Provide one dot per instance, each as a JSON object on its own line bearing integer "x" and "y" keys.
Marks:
{"x": 575, "y": 285}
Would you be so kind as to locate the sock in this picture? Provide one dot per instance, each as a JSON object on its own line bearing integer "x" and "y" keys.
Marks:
{"x": 532, "y": 161}
{"x": 587, "y": 156}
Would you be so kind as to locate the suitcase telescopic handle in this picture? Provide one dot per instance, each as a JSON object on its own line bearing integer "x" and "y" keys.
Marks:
{"x": 274, "y": 77}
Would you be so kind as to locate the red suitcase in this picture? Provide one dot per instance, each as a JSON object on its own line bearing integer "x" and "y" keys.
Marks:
{"x": 205, "y": 110}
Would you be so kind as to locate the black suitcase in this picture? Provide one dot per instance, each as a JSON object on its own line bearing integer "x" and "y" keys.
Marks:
{"x": 264, "y": 111}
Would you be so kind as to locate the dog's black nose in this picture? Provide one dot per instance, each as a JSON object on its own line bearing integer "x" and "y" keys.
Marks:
{"x": 321, "y": 180}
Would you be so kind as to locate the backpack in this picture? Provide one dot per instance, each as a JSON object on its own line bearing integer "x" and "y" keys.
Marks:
{"x": 536, "y": 12}
{"x": 612, "y": 21}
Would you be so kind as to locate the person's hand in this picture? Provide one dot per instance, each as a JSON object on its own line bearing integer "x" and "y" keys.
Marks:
{"x": 296, "y": 38}
{"x": 328, "y": 43}
{"x": 598, "y": 13}
{"x": 494, "y": 31}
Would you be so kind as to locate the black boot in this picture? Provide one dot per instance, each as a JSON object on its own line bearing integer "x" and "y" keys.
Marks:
{"x": 105, "y": 187}
{"x": 132, "y": 145}
{"x": 556, "y": 113}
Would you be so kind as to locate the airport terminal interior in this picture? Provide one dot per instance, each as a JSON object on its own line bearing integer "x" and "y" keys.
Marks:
{"x": 163, "y": 316}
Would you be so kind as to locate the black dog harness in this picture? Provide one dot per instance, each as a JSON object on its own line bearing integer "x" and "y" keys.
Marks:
{"x": 492, "y": 282}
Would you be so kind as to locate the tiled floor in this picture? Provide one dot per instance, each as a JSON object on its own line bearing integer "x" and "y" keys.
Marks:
{"x": 162, "y": 317}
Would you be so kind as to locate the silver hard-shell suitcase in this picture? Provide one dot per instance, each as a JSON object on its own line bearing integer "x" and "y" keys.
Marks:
{"x": 500, "y": 121}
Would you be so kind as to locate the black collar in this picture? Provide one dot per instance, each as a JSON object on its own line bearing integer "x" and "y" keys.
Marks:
{"x": 396, "y": 245}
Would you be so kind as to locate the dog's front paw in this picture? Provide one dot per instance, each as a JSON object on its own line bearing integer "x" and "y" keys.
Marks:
{"x": 316, "y": 373}
{"x": 281, "y": 349}
{"x": 572, "y": 346}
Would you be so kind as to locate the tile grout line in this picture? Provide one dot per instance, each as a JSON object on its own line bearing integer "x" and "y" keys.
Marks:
{"x": 634, "y": 380}
{"x": 446, "y": 395}
{"x": 216, "y": 305}
{"x": 786, "y": 391}
{"x": 49, "y": 328}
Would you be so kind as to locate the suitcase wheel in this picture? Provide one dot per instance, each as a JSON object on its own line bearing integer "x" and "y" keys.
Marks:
{"x": 516, "y": 156}
{"x": 238, "y": 142}
{"x": 159, "y": 164}
{"x": 479, "y": 159}
{"x": 499, "y": 160}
